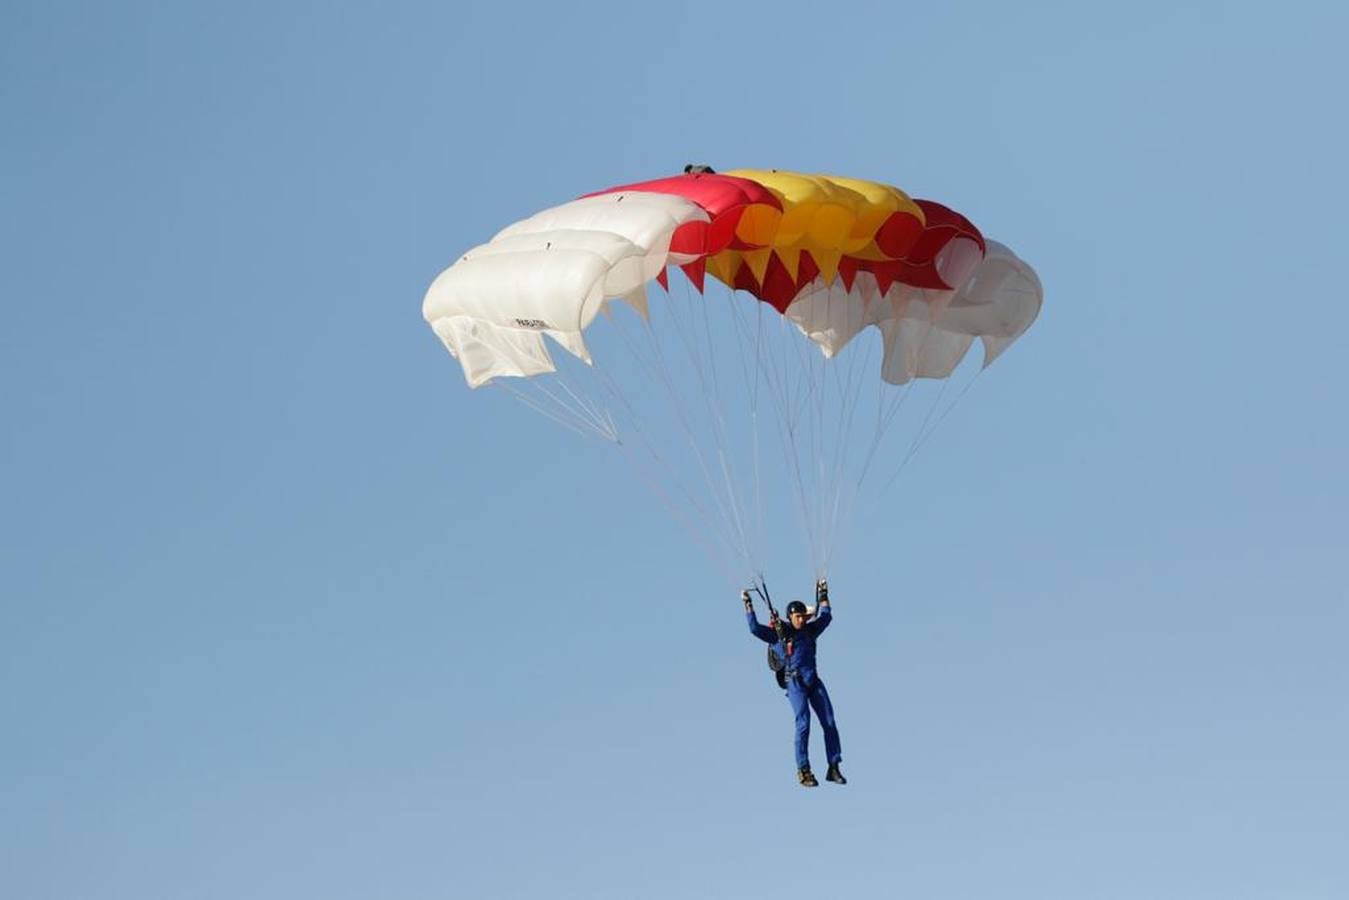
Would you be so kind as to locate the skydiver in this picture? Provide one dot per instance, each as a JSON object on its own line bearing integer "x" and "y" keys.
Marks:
{"x": 793, "y": 642}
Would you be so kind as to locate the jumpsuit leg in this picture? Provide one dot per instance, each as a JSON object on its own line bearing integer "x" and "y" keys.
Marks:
{"x": 824, "y": 711}
{"x": 797, "y": 695}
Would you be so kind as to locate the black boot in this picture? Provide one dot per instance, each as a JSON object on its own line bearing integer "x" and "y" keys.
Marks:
{"x": 835, "y": 775}
{"x": 806, "y": 777}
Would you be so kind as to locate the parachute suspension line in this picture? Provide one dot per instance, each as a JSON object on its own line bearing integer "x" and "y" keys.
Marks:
{"x": 582, "y": 419}
{"x": 851, "y": 400}
{"x": 819, "y": 375}
{"x": 713, "y": 551}
{"x": 566, "y": 405}
{"x": 819, "y": 371}
{"x": 603, "y": 420}
{"x": 712, "y": 403}
{"x": 682, "y": 414}
{"x": 927, "y": 417}
{"x": 752, "y": 388}
{"x": 883, "y": 422}
{"x": 922, "y": 349}
{"x": 794, "y": 408}
{"x": 923, "y": 436}
{"x": 884, "y": 418}
{"x": 805, "y": 380}
{"x": 901, "y": 397}
{"x": 648, "y": 476}
{"x": 786, "y": 397}
{"x": 725, "y": 498}
{"x": 752, "y": 394}
{"x": 811, "y": 411}
{"x": 815, "y": 372}
{"x": 540, "y": 408}
{"x": 754, "y": 408}
{"x": 694, "y": 443}
{"x": 658, "y": 372}
{"x": 717, "y": 402}
{"x": 774, "y": 370}
{"x": 849, "y": 391}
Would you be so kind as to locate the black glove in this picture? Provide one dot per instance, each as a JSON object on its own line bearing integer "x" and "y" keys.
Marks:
{"x": 749, "y": 604}
{"x": 821, "y": 592}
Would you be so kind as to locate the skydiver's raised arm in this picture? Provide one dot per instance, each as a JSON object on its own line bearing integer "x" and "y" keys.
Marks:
{"x": 760, "y": 631}
{"x": 824, "y": 612}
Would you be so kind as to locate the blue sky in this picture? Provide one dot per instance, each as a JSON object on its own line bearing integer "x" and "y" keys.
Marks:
{"x": 286, "y": 610}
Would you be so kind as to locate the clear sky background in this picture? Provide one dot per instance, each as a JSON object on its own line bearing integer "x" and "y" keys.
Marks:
{"x": 287, "y": 611}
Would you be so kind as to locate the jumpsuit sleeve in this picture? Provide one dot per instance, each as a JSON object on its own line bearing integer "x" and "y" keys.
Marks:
{"x": 762, "y": 632}
{"x": 823, "y": 618}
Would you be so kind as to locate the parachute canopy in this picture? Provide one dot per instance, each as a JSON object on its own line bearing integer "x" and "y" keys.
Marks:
{"x": 818, "y": 257}
{"x": 833, "y": 255}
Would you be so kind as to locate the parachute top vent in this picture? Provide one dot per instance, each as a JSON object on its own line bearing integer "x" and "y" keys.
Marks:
{"x": 695, "y": 169}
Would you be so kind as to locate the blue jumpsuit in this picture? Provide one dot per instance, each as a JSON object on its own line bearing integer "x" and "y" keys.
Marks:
{"x": 805, "y": 690}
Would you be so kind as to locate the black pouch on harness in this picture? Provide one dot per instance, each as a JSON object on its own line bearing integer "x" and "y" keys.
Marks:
{"x": 779, "y": 667}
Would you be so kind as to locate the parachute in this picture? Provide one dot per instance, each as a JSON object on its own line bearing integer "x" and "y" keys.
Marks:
{"x": 830, "y": 257}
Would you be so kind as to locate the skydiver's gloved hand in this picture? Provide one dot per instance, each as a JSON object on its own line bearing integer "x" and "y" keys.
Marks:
{"x": 749, "y": 604}
{"x": 821, "y": 592}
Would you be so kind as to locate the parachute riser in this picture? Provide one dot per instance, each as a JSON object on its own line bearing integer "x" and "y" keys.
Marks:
{"x": 760, "y": 587}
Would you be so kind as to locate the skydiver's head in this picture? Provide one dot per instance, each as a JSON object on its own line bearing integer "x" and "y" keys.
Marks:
{"x": 796, "y": 614}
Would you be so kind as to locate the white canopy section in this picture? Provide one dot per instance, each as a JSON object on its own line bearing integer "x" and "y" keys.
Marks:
{"x": 550, "y": 274}
{"x": 926, "y": 333}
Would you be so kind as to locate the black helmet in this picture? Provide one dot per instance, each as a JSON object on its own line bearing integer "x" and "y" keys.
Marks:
{"x": 796, "y": 606}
